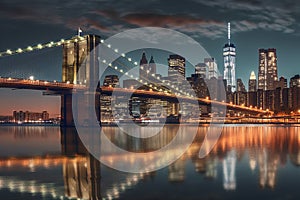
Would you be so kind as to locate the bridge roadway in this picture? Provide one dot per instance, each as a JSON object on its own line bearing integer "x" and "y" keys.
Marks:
{"x": 68, "y": 87}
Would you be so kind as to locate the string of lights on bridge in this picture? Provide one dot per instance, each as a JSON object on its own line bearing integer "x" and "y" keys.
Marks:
{"x": 50, "y": 44}
{"x": 135, "y": 63}
{"x": 78, "y": 38}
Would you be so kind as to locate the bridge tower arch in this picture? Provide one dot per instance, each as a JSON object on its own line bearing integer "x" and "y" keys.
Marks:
{"x": 80, "y": 65}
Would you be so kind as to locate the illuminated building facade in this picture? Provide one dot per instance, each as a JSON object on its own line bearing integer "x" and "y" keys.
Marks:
{"x": 295, "y": 93}
{"x": 229, "y": 55}
{"x": 202, "y": 70}
{"x": 267, "y": 71}
{"x": 252, "y": 86}
{"x": 111, "y": 81}
{"x": 252, "y": 91}
{"x": 213, "y": 71}
{"x": 27, "y": 116}
{"x": 176, "y": 70}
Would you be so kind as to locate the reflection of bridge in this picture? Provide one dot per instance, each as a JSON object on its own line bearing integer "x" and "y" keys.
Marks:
{"x": 81, "y": 172}
{"x": 80, "y": 68}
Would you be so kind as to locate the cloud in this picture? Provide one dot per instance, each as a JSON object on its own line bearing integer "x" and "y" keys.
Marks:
{"x": 150, "y": 19}
{"x": 112, "y": 16}
{"x": 254, "y": 14}
{"x": 183, "y": 23}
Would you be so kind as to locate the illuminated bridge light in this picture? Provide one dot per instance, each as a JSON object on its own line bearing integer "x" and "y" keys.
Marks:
{"x": 116, "y": 50}
{"x": 123, "y": 54}
{"x": 101, "y": 41}
{"x": 39, "y": 46}
{"x": 109, "y": 46}
{"x": 29, "y": 48}
{"x": 19, "y": 50}
{"x": 8, "y": 51}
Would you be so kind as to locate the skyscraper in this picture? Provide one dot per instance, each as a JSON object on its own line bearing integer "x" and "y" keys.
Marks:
{"x": 240, "y": 86}
{"x": 143, "y": 66}
{"x": 252, "y": 88}
{"x": 212, "y": 68}
{"x": 252, "y": 83}
{"x": 202, "y": 70}
{"x": 111, "y": 81}
{"x": 152, "y": 66}
{"x": 176, "y": 70}
{"x": 147, "y": 70}
{"x": 267, "y": 71}
{"x": 229, "y": 55}
{"x": 295, "y": 93}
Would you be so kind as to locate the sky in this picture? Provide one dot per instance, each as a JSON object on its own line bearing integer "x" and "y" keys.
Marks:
{"x": 255, "y": 24}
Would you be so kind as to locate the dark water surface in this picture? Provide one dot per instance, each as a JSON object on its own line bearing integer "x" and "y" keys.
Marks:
{"x": 248, "y": 162}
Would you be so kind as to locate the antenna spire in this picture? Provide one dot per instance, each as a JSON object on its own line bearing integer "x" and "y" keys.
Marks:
{"x": 228, "y": 32}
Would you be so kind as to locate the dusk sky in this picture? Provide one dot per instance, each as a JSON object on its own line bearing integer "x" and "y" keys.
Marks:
{"x": 255, "y": 24}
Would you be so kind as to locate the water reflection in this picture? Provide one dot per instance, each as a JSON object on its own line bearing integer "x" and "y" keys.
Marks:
{"x": 242, "y": 151}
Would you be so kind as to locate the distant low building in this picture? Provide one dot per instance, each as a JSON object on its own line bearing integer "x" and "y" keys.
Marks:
{"x": 21, "y": 116}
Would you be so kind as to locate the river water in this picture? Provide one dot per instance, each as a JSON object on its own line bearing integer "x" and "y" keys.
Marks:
{"x": 247, "y": 162}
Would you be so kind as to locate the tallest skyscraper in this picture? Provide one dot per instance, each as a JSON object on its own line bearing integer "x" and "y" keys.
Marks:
{"x": 229, "y": 55}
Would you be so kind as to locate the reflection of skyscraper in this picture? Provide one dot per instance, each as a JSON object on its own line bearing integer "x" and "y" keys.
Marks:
{"x": 176, "y": 70}
{"x": 229, "y": 171}
{"x": 252, "y": 159}
{"x": 211, "y": 168}
{"x": 229, "y": 55}
{"x": 267, "y": 168}
{"x": 176, "y": 171}
{"x": 267, "y": 71}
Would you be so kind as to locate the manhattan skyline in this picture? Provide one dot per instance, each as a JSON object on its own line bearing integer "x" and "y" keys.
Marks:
{"x": 254, "y": 25}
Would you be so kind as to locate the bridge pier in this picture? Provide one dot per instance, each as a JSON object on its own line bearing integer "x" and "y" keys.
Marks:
{"x": 67, "y": 119}
{"x": 83, "y": 102}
